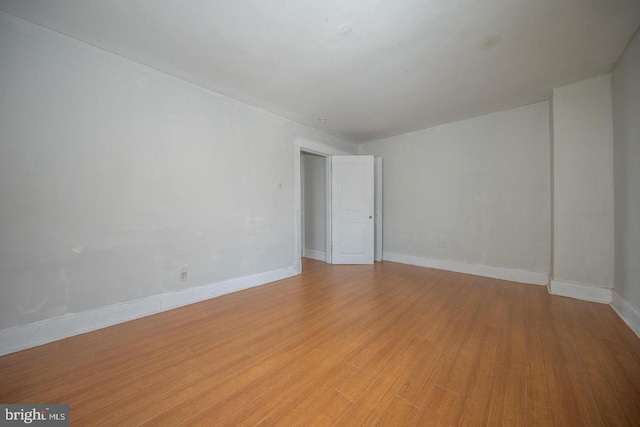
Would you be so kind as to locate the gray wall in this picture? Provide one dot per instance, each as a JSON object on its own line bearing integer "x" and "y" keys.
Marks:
{"x": 114, "y": 177}
{"x": 583, "y": 183}
{"x": 315, "y": 205}
{"x": 481, "y": 184}
{"x": 626, "y": 118}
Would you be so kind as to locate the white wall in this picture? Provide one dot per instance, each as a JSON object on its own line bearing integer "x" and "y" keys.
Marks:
{"x": 481, "y": 184}
{"x": 583, "y": 184}
{"x": 626, "y": 119}
{"x": 114, "y": 177}
{"x": 315, "y": 198}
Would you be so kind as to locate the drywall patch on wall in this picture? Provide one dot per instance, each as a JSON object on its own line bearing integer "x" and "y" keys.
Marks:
{"x": 25, "y": 336}
{"x": 513, "y": 275}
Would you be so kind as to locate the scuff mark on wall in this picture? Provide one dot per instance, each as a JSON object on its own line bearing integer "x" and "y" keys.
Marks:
{"x": 491, "y": 42}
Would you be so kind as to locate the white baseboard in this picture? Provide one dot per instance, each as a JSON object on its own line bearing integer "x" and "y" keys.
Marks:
{"x": 583, "y": 292}
{"x": 629, "y": 314}
{"x": 31, "y": 335}
{"x": 513, "y": 275}
{"x": 320, "y": 256}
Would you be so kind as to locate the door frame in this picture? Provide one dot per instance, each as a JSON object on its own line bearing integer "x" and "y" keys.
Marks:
{"x": 320, "y": 149}
{"x": 377, "y": 169}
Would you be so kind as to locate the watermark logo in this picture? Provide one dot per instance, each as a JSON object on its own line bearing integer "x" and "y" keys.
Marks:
{"x": 36, "y": 415}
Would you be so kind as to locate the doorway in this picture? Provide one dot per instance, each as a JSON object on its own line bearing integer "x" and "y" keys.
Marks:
{"x": 313, "y": 171}
{"x": 302, "y": 147}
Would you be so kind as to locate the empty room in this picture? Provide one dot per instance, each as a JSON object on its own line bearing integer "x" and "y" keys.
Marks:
{"x": 288, "y": 212}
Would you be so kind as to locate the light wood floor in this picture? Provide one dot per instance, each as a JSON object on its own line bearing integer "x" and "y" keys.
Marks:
{"x": 389, "y": 345}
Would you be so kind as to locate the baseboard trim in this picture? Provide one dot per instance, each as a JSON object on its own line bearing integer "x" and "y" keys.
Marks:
{"x": 501, "y": 273}
{"x": 317, "y": 255}
{"x": 583, "y": 292}
{"x": 34, "y": 334}
{"x": 628, "y": 313}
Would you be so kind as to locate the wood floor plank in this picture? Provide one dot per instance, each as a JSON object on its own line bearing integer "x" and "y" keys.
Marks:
{"x": 475, "y": 401}
{"x": 571, "y": 401}
{"x": 474, "y": 384}
{"x": 398, "y": 412}
{"x": 307, "y": 405}
{"x": 439, "y": 407}
{"x": 380, "y": 359}
{"x": 538, "y": 399}
{"x": 507, "y": 398}
{"x": 290, "y": 387}
{"x": 387, "y": 344}
{"x": 327, "y": 412}
{"x": 370, "y": 406}
{"x": 157, "y": 396}
{"x": 511, "y": 352}
{"x": 606, "y": 379}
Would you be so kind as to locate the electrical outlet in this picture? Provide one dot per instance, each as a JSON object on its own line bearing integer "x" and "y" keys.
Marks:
{"x": 184, "y": 275}
{"x": 444, "y": 243}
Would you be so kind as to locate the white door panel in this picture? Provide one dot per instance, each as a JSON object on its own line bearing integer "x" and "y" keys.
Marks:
{"x": 353, "y": 238}
{"x": 352, "y": 209}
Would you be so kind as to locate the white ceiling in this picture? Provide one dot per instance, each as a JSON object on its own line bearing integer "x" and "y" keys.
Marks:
{"x": 371, "y": 68}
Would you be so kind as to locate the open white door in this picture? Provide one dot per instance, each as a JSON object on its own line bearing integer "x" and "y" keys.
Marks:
{"x": 352, "y": 209}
